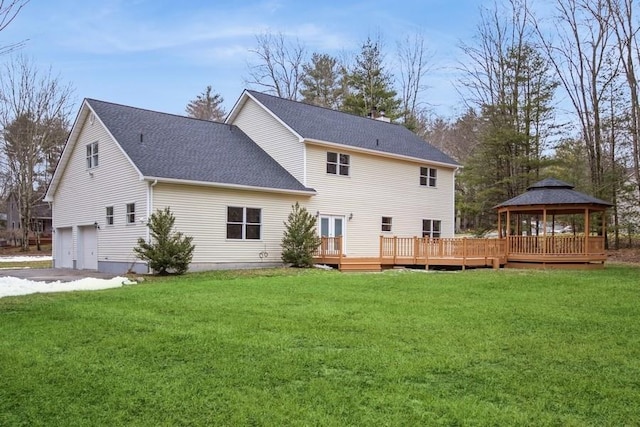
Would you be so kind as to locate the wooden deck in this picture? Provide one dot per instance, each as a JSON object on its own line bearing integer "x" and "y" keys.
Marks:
{"x": 514, "y": 251}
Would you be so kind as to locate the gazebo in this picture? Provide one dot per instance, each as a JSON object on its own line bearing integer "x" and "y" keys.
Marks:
{"x": 553, "y": 225}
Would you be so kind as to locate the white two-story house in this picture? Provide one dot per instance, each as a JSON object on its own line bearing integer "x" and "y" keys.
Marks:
{"x": 231, "y": 186}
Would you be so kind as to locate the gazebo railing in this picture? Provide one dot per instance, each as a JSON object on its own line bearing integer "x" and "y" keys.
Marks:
{"x": 555, "y": 245}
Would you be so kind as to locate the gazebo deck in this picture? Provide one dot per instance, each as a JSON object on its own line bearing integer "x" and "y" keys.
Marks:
{"x": 512, "y": 251}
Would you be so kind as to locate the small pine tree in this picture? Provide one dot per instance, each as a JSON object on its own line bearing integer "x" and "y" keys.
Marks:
{"x": 168, "y": 250}
{"x": 300, "y": 238}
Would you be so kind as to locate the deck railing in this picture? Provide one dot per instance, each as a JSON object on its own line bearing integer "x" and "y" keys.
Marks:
{"x": 418, "y": 250}
{"x": 423, "y": 248}
{"x": 329, "y": 247}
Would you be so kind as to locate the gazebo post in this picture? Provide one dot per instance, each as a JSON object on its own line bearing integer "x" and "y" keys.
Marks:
{"x": 499, "y": 225}
{"x": 508, "y": 231}
{"x": 544, "y": 230}
{"x": 587, "y": 228}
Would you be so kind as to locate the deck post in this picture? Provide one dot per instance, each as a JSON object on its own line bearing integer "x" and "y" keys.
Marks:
{"x": 340, "y": 252}
{"x": 415, "y": 249}
{"x": 381, "y": 247}
{"x": 464, "y": 252}
{"x": 426, "y": 247}
{"x": 395, "y": 249}
{"x": 486, "y": 250}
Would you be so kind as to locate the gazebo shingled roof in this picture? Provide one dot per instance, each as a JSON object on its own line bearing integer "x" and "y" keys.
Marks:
{"x": 551, "y": 192}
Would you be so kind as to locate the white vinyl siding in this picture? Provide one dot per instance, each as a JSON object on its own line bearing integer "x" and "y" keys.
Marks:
{"x": 82, "y": 195}
{"x": 201, "y": 212}
{"x": 272, "y": 137}
{"x": 378, "y": 187}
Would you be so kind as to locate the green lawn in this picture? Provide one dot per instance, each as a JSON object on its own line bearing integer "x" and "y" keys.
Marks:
{"x": 291, "y": 347}
{"x": 25, "y": 264}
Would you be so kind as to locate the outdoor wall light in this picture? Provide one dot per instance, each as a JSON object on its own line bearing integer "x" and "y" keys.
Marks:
{"x": 96, "y": 225}
{"x": 350, "y": 216}
{"x": 317, "y": 214}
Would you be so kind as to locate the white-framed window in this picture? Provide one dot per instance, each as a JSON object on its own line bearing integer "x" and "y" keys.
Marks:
{"x": 386, "y": 223}
{"x": 109, "y": 215}
{"x": 244, "y": 223}
{"x": 131, "y": 213}
{"x": 92, "y": 155}
{"x": 431, "y": 228}
{"x": 338, "y": 163}
{"x": 428, "y": 176}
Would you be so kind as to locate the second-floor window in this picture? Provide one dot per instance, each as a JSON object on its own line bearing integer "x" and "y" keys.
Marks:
{"x": 109, "y": 217}
{"x": 92, "y": 155}
{"x": 131, "y": 213}
{"x": 428, "y": 176}
{"x": 338, "y": 163}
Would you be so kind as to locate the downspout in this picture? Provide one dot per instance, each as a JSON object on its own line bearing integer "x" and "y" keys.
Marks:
{"x": 149, "y": 201}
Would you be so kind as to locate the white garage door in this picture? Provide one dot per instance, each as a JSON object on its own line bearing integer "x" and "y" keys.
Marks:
{"x": 87, "y": 248}
{"x": 64, "y": 248}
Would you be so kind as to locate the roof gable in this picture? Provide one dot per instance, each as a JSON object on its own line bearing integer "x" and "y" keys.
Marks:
{"x": 162, "y": 145}
{"x": 325, "y": 125}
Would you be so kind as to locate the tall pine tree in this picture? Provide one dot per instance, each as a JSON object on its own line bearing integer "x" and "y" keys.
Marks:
{"x": 322, "y": 81}
{"x": 370, "y": 85}
{"x": 207, "y": 106}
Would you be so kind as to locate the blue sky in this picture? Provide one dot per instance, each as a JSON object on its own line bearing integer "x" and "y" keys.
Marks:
{"x": 159, "y": 54}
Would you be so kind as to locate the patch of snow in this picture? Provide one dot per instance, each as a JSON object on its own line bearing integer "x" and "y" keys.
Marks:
{"x": 12, "y": 286}
{"x": 24, "y": 258}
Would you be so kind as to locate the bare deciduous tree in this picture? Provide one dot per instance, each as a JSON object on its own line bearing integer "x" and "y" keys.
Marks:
{"x": 278, "y": 69}
{"x": 582, "y": 57}
{"x": 626, "y": 35}
{"x": 8, "y": 12}
{"x": 415, "y": 62}
{"x": 34, "y": 106}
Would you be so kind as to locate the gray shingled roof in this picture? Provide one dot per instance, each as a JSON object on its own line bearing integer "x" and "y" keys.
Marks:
{"x": 552, "y": 191}
{"x": 323, "y": 124}
{"x": 184, "y": 148}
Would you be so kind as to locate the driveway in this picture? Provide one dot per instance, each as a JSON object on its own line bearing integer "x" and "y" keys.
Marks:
{"x": 53, "y": 274}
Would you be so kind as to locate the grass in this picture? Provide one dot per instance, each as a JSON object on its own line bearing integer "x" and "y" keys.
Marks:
{"x": 291, "y": 347}
{"x": 25, "y": 264}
